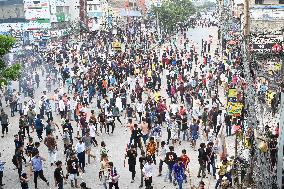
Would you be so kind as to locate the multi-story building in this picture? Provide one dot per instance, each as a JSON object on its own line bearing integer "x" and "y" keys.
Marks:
{"x": 12, "y": 11}
{"x": 35, "y": 14}
{"x": 95, "y": 12}
{"x": 267, "y": 15}
{"x": 266, "y": 2}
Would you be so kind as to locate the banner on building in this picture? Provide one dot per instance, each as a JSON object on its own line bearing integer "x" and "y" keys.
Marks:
{"x": 37, "y": 10}
{"x": 267, "y": 44}
{"x": 234, "y": 109}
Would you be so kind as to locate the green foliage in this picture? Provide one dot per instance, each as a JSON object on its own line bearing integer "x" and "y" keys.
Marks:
{"x": 173, "y": 12}
{"x": 7, "y": 73}
{"x": 6, "y": 43}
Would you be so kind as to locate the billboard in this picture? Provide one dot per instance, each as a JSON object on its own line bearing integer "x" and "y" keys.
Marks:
{"x": 37, "y": 10}
{"x": 267, "y": 13}
{"x": 267, "y": 44}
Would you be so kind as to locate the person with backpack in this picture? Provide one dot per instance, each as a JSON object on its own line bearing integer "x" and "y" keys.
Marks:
{"x": 39, "y": 127}
{"x": 132, "y": 155}
{"x": 142, "y": 161}
{"x": 83, "y": 185}
{"x": 170, "y": 160}
{"x": 51, "y": 145}
{"x": 113, "y": 176}
{"x": 59, "y": 175}
{"x": 202, "y": 158}
{"x": 4, "y": 122}
{"x": 17, "y": 160}
{"x": 24, "y": 181}
{"x": 73, "y": 169}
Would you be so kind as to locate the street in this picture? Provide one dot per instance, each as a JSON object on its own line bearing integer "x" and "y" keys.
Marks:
{"x": 116, "y": 144}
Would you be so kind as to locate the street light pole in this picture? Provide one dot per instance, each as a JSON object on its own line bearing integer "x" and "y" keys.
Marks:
{"x": 221, "y": 21}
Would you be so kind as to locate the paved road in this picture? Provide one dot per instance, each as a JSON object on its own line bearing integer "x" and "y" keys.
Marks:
{"x": 115, "y": 143}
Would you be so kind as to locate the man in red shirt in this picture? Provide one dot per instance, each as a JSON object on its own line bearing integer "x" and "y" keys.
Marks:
{"x": 185, "y": 160}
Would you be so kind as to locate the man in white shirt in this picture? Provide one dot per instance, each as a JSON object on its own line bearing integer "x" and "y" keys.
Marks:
{"x": 25, "y": 109}
{"x": 69, "y": 110}
{"x": 61, "y": 107}
{"x": 80, "y": 149}
{"x": 174, "y": 108}
{"x": 220, "y": 121}
{"x": 140, "y": 107}
{"x": 162, "y": 155}
{"x": 73, "y": 105}
{"x": 56, "y": 99}
{"x": 148, "y": 172}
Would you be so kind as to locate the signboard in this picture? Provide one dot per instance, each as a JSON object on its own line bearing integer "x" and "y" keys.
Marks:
{"x": 234, "y": 108}
{"x": 232, "y": 93}
{"x": 116, "y": 45}
{"x": 268, "y": 13}
{"x": 267, "y": 44}
{"x": 37, "y": 10}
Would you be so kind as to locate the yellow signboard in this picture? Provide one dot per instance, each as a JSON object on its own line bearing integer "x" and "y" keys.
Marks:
{"x": 234, "y": 108}
{"x": 116, "y": 45}
{"x": 232, "y": 93}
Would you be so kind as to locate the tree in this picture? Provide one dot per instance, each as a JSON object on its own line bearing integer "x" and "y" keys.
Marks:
{"x": 7, "y": 72}
{"x": 172, "y": 12}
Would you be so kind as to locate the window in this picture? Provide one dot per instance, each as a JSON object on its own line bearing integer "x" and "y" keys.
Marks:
{"x": 90, "y": 7}
{"x": 281, "y": 1}
{"x": 258, "y": 2}
{"x": 59, "y": 9}
{"x": 66, "y": 10}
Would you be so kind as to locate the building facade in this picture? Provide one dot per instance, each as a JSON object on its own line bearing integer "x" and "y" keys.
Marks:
{"x": 266, "y": 2}
{"x": 12, "y": 11}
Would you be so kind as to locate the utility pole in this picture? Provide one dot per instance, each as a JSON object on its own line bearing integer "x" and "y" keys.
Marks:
{"x": 281, "y": 139}
{"x": 259, "y": 172}
{"x": 221, "y": 28}
{"x": 249, "y": 96}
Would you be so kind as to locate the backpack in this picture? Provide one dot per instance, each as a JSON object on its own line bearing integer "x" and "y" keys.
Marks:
{"x": 14, "y": 160}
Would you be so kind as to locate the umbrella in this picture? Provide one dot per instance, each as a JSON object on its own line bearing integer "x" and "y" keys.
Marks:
{"x": 232, "y": 42}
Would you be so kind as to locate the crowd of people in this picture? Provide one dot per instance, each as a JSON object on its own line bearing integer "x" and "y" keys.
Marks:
{"x": 164, "y": 96}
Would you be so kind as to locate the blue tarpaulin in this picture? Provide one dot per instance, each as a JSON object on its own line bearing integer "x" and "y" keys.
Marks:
{"x": 268, "y": 7}
{"x": 95, "y": 14}
{"x": 130, "y": 13}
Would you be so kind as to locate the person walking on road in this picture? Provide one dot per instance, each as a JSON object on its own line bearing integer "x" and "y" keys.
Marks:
{"x": 51, "y": 145}
{"x": 80, "y": 149}
{"x": 202, "y": 158}
{"x": 59, "y": 175}
{"x": 2, "y": 163}
{"x": 170, "y": 160}
{"x": 114, "y": 176}
{"x": 4, "y": 122}
{"x": 132, "y": 155}
{"x": 37, "y": 169}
